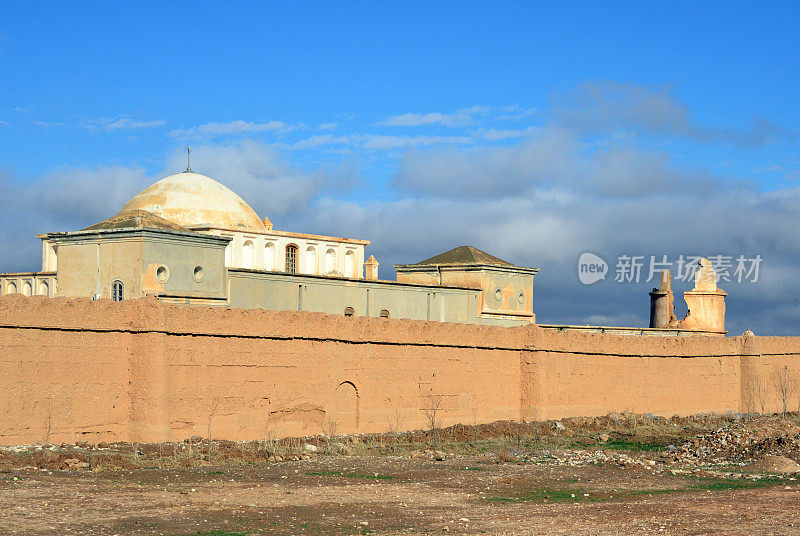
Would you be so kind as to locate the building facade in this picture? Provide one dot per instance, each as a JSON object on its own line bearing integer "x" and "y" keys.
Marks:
{"x": 189, "y": 239}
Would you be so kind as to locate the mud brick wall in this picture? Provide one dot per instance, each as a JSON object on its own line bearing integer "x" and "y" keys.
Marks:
{"x": 143, "y": 370}
{"x": 578, "y": 374}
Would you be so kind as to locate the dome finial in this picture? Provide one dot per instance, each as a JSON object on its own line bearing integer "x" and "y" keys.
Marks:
{"x": 188, "y": 159}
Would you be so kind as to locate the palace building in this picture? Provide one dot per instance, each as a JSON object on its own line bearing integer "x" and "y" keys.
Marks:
{"x": 189, "y": 239}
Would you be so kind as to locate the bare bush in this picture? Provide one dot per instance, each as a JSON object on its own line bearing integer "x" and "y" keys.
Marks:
{"x": 215, "y": 402}
{"x": 784, "y": 384}
{"x": 330, "y": 428}
{"x": 432, "y": 405}
{"x": 395, "y": 425}
{"x": 270, "y": 443}
{"x": 475, "y": 425}
{"x": 755, "y": 400}
{"x": 48, "y": 410}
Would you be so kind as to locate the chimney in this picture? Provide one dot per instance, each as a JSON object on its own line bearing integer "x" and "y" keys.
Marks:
{"x": 371, "y": 268}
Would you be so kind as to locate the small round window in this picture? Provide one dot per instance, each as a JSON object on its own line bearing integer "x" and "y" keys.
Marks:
{"x": 348, "y": 311}
{"x": 384, "y": 314}
{"x": 162, "y": 274}
{"x": 498, "y": 294}
{"x": 198, "y": 273}
{"x": 521, "y": 298}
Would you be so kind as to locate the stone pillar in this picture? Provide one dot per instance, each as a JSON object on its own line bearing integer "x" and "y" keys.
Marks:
{"x": 371, "y": 267}
{"x": 662, "y": 311}
{"x": 706, "y": 302}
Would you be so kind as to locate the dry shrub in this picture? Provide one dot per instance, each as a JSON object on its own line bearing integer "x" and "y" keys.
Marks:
{"x": 503, "y": 456}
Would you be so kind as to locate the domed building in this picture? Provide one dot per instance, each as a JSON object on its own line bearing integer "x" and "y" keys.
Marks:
{"x": 190, "y": 239}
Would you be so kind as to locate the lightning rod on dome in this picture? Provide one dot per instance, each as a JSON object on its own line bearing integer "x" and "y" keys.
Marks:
{"x": 188, "y": 159}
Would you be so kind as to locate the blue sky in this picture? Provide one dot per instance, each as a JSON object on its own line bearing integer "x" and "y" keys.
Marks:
{"x": 535, "y": 131}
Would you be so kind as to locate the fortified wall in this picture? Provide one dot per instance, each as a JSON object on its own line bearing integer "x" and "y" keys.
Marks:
{"x": 145, "y": 370}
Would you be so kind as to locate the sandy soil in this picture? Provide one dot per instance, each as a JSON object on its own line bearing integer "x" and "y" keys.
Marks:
{"x": 386, "y": 495}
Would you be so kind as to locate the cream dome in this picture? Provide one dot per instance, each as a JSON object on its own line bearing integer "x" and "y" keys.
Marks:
{"x": 192, "y": 200}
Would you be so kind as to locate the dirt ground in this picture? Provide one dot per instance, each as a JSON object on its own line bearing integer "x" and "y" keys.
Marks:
{"x": 595, "y": 477}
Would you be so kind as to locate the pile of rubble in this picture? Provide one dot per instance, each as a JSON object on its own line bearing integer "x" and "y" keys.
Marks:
{"x": 740, "y": 446}
{"x": 580, "y": 458}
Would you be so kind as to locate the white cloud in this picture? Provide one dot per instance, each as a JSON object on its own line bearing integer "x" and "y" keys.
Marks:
{"x": 378, "y": 142}
{"x": 459, "y": 118}
{"x": 433, "y": 118}
{"x": 499, "y": 134}
{"x": 48, "y": 124}
{"x": 516, "y": 113}
{"x": 123, "y": 123}
{"x": 399, "y": 142}
{"x": 209, "y": 130}
{"x": 322, "y": 140}
{"x": 328, "y": 126}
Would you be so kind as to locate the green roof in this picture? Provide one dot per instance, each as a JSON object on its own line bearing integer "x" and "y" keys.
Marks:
{"x": 465, "y": 255}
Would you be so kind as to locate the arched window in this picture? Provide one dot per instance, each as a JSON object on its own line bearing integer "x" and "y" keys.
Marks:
{"x": 269, "y": 256}
{"x": 311, "y": 260}
{"x": 330, "y": 261}
{"x": 248, "y": 255}
{"x": 350, "y": 264}
{"x": 291, "y": 259}
{"x": 117, "y": 291}
{"x": 229, "y": 254}
{"x": 384, "y": 314}
{"x": 348, "y": 311}
{"x": 11, "y": 288}
{"x": 44, "y": 289}
{"x": 27, "y": 289}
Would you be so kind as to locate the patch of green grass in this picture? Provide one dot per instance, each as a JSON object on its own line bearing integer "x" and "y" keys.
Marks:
{"x": 552, "y": 495}
{"x": 574, "y": 495}
{"x": 577, "y": 495}
{"x": 350, "y": 475}
{"x": 633, "y": 446}
{"x": 218, "y": 533}
{"x": 727, "y": 485}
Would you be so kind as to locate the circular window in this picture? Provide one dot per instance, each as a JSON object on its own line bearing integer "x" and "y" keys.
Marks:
{"x": 498, "y": 294}
{"x": 349, "y": 311}
{"x": 162, "y": 274}
{"x": 384, "y": 314}
{"x": 198, "y": 273}
{"x": 521, "y": 298}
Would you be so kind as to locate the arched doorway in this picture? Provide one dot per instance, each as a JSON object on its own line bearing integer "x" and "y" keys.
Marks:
{"x": 345, "y": 412}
